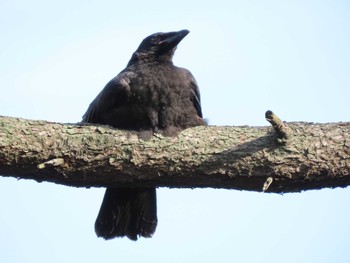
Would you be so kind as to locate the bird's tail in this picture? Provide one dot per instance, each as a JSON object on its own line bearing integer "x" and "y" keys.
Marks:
{"x": 130, "y": 212}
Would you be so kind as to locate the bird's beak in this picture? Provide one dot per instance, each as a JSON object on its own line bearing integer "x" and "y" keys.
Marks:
{"x": 172, "y": 39}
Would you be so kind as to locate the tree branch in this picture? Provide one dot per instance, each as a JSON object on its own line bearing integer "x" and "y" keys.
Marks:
{"x": 245, "y": 158}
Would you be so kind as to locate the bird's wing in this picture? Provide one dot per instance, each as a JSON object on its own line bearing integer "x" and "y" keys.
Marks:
{"x": 115, "y": 94}
{"x": 196, "y": 97}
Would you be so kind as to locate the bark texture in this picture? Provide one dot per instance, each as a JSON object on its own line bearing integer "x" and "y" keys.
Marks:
{"x": 245, "y": 158}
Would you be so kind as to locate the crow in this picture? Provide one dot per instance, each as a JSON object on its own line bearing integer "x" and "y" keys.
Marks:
{"x": 150, "y": 95}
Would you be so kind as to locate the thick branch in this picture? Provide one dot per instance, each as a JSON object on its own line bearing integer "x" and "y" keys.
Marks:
{"x": 244, "y": 158}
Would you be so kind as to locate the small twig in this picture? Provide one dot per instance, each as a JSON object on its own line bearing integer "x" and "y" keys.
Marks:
{"x": 267, "y": 184}
{"x": 280, "y": 127}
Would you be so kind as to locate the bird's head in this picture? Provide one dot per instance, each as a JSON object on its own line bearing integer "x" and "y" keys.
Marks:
{"x": 158, "y": 47}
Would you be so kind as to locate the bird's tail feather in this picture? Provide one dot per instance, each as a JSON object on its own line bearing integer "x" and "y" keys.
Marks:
{"x": 130, "y": 212}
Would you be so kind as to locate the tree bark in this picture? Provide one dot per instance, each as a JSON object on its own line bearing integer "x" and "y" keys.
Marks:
{"x": 312, "y": 156}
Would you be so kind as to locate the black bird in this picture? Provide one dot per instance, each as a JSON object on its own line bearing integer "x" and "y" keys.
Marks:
{"x": 150, "y": 94}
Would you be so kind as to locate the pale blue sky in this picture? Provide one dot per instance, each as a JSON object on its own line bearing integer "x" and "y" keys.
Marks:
{"x": 292, "y": 57}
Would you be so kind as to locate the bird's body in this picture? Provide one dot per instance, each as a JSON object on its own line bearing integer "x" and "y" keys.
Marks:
{"x": 150, "y": 94}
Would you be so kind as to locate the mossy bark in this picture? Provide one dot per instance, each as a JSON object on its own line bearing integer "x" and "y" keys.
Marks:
{"x": 245, "y": 158}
